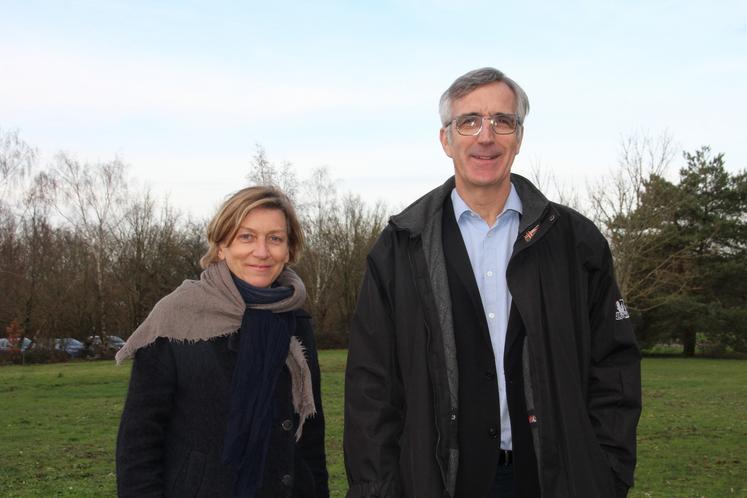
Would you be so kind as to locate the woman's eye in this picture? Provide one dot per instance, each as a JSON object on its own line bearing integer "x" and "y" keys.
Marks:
{"x": 245, "y": 237}
{"x": 276, "y": 239}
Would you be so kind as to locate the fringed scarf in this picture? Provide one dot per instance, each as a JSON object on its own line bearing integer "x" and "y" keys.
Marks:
{"x": 217, "y": 305}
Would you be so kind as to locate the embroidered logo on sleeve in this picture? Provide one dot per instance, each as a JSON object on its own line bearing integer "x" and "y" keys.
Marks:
{"x": 622, "y": 310}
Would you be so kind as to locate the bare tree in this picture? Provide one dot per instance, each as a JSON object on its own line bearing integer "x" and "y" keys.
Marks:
{"x": 265, "y": 172}
{"x": 17, "y": 161}
{"x": 556, "y": 190}
{"x": 91, "y": 200}
{"x": 624, "y": 207}
{"x": 319, "y": 211}
{"x": 356, "y": 231}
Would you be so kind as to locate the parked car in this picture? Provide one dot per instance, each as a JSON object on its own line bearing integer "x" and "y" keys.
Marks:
{"x": 5, "y": 344}
{"x": 73, "y": 347}
{"x": 113, "y": 342}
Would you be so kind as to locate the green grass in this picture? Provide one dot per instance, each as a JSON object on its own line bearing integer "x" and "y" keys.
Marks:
{"x": 692, "y": 438}
{"x": 58, "y": 426}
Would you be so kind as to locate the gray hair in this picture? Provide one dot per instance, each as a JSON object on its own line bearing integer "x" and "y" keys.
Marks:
{"x": 477, "y": 78}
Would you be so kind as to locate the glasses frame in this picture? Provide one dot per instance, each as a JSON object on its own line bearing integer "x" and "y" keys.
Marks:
{"x": 491, "y": 118}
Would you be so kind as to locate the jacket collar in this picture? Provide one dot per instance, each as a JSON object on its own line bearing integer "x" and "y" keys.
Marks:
{"x": 417, "y": 215}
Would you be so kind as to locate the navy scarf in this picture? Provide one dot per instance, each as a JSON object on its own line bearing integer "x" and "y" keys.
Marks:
{"x": 263, "y": 348}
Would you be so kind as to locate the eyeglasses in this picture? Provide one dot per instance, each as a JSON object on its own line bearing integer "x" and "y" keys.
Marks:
{"x": 470, "y": 125}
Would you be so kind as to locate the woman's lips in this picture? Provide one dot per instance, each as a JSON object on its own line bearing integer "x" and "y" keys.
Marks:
{"x": 259, "y": 267}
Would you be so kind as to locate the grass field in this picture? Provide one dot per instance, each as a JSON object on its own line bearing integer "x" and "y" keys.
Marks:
{"x": 58, "y": 425}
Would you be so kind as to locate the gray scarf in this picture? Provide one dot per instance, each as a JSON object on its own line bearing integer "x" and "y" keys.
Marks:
{"x": 200, "y": 310}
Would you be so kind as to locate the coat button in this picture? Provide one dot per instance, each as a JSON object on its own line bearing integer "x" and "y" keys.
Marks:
{"x": 493, "y": 432}
{"x": 287, "y": 425}
{"x": 287, "y": 480}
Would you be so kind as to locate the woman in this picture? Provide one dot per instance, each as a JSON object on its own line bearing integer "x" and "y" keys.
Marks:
{"x": 224, "y": 397}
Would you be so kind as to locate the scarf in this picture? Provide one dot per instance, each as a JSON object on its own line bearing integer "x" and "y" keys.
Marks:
{"x": 264, "y": 340}
{"x": 212, "y": 307}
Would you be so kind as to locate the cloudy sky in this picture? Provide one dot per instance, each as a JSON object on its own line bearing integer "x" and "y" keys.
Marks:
{"x": 183, "y": 91}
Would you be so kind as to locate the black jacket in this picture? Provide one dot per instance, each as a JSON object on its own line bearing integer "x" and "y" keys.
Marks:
{"x": 580, "y": 361}
{"x": 171, "y": 435}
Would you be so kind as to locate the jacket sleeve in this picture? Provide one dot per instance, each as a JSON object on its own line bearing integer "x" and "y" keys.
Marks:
{"x": 140, "y": 442}
{"x": 614, "y": 396}
{"x": 311, "y": 444}
{"x": 374, "y": 402}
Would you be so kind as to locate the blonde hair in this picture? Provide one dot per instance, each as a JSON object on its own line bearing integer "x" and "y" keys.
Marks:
{"x": 224, "y": 226}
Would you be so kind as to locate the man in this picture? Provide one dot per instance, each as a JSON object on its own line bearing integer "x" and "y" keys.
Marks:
{"x": 491, "y": 353}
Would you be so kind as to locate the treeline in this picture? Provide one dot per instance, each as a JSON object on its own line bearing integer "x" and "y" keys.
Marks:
{"x": 82, "y": 253}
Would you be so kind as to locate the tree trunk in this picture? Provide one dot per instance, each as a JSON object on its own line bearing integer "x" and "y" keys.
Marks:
{"x": 688, "y": 342}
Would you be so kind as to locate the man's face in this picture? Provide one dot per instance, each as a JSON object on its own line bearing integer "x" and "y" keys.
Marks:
{"x": 484, "y": 160}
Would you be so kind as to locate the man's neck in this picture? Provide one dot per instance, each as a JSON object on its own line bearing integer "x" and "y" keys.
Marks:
{"x": 488, "y": 202}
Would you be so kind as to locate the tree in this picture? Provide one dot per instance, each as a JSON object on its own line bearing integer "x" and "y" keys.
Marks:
{"x": 355, "y": 232}
{"x": 553, "y": 188}
{"x": 92, "y": 196}
{"x": 156, "y": 252}
{"x": 712, "y": 226}
{"x": 695, "y": 267}
{"x": 17, "y": 161}
{"x": 265, "y": 172}
{"x": 634, "y": 208}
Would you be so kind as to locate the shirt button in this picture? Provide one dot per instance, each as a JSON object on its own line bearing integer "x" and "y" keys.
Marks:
{"x": 287, "y": 480}
{"x": 490, "y": 274}
{"x": 287, "y": 425}
{"x": 491, "y": 315}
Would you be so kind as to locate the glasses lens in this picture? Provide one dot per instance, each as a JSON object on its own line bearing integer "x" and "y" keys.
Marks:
{"x": 503, "y": 124}
{"x": 469, "y": 124}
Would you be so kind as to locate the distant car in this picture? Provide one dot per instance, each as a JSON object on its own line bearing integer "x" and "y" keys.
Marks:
{"x": 5, "y": 344}
{"x": 113, "y": 342}
{"x": 73, "y": 347}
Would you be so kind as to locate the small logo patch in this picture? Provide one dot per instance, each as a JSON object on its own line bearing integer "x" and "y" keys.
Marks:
{"x": 532, "y": 419}
{"x": 530, "y": 233}
{"x": 622, "y": 310}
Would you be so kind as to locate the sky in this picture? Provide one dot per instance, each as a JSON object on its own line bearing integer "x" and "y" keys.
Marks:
{"x": 183, "y": 92}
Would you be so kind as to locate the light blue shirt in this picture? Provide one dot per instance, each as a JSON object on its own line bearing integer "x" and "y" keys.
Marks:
{"x": 489, "y": 249}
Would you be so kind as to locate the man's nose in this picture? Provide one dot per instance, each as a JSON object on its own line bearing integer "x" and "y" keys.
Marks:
{"x": 486, "y": 134}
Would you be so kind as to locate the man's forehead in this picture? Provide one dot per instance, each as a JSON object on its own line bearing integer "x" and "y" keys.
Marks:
{"x": 493, "y": 93}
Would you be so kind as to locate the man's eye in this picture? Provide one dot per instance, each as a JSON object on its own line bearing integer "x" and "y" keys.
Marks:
{"x": 468, "y": 122}
{"x": 505, "y": 122}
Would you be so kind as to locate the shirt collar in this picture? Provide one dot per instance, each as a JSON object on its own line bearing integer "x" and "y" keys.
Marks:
{"x": 513, "y": 203}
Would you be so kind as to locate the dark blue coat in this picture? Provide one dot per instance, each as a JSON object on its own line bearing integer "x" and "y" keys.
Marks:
{"x": 171, "y": 435}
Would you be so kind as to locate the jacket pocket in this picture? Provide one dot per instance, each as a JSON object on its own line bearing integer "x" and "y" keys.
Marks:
{"x": 188, "y": 480}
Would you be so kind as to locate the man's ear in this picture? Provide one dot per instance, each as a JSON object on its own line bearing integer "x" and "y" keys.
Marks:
{"x": 519, "y": 138}
{"x": 445, "y": 138}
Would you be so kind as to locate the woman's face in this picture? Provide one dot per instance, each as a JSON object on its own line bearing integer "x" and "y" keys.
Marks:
{"x": 259, "y": 252}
